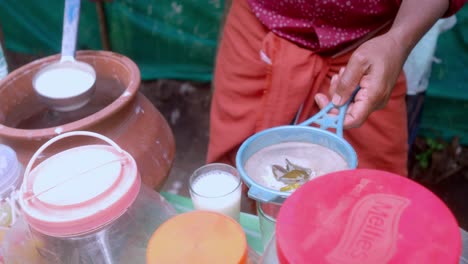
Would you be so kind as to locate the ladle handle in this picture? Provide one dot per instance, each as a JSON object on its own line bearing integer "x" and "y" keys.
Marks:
{"x": 71, "y": 17}
{"x": 326, "y": 121}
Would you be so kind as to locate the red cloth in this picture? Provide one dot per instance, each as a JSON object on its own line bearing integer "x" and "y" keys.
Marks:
{"x": 323, "y": 25}
{"x": 251, "y": 95}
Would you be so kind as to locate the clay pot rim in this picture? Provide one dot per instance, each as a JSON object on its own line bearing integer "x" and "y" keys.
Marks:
{"x": 127, "y": 95}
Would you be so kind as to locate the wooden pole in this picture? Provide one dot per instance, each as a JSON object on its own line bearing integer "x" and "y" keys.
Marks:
{"x": 103, "y": 25}
{"x": 2, "y": 40}
{"x": 2, "y": 45}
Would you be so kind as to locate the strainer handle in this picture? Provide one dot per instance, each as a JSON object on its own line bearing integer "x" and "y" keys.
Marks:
{"x": 326, "y": 121}
{"x": 62, "y": 136}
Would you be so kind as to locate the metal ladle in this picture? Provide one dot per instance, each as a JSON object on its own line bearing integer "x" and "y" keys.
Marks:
{"x": 68, "y": 84}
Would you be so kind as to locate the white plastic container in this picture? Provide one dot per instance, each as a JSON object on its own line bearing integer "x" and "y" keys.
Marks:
{"x": 11, "y": 175}
{"x": 267, "y": 213}
{"x": 85, "y": 205}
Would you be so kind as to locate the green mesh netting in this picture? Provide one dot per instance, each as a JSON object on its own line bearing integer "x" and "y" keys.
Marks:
{"x": 177, "y": 39}
{"x": 445, "y": 111}
{"x": 167, "y": 39}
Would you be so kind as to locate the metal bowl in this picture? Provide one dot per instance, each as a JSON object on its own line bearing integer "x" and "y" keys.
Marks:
{"x": 69, "y": 102}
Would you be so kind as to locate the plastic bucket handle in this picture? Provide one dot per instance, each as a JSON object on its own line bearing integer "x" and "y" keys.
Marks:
{"x": 27, "y": 190}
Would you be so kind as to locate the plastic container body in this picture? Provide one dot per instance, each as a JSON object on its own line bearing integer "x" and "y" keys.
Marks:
{"x": 464, "y": 256}
{"x": 267, "y": 213}
{"x": 11, "y": 175}
{"x": 121, "y": 241}
{"x": 11, "y": 172}
{"x": 270, "y": 255}
{"x": 253, "y": 256}
{"x": 84, "y": 205}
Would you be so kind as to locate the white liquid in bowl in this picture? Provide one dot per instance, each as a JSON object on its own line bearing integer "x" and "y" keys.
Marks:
{"x": 319, "y": 159}
{"x": 63, "y": 82}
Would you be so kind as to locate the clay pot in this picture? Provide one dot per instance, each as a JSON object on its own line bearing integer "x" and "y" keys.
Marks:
{"x": 117, "y": 111}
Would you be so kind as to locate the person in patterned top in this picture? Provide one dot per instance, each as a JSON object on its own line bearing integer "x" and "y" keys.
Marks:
{"x": 280, "y": 61}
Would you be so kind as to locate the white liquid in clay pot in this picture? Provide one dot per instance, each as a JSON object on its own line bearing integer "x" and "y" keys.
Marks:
{"x": 63, "y": 82}
{"x": 308, "y": 155}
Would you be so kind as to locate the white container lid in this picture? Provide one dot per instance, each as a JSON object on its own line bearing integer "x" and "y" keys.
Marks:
{"x": 79, "y": 190}
{"x": 10, "y": 171}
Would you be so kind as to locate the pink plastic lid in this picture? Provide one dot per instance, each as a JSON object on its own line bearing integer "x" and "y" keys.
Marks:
{"x": 366, "y": 217}
{"x": 79, "y": 190}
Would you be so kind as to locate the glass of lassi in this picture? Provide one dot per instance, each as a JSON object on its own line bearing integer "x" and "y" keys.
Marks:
{"x": 217, "y": 187}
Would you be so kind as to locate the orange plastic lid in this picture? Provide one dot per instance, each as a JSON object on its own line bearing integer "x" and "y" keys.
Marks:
{"x": 198, "y": 237}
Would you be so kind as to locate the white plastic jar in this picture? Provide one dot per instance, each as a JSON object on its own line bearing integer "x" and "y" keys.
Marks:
{"x": 85, "y": 205}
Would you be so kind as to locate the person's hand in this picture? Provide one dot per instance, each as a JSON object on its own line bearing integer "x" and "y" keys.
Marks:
{"x": 375, "y": 66}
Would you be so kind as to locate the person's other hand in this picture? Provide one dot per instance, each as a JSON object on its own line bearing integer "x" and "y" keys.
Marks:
{"x": 375, "y": 66}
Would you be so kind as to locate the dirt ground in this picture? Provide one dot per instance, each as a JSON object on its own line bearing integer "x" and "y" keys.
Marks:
{"x": 440, "y": 166}
{"x": 185, "y": 105}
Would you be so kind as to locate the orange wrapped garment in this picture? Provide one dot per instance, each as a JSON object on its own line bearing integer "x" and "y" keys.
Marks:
{"x": 262, "y": 80}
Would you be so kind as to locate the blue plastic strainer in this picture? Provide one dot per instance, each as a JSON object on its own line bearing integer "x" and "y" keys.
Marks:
{"x": 296, "y": 133}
